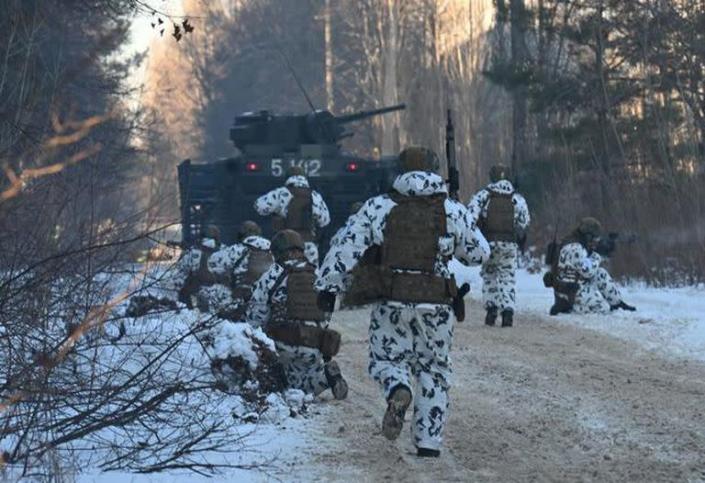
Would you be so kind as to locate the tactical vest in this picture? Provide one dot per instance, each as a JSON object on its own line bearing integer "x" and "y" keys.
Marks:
{"x": 410, "y": 248}
{"x": 498, "y": 224}
{"x": 299, "y": 213}
{"x": 201, "y": 277}
{"x": 301, "y": 299}
{"x": 258, "y": 262}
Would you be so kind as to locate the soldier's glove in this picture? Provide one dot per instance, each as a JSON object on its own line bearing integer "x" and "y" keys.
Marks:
{"x": 463, "y": 290}
{"x": 326, "y": 301}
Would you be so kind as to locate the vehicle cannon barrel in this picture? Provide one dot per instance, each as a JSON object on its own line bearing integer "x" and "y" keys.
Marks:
{"x": 365, "y": 114}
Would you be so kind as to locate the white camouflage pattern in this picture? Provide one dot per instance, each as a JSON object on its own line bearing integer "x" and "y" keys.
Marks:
{"x": 499, "y": 272}
{"x": 409, "y": 343}
{"x": 276, "y": 202}
{"x": 304, "y": 366}
{"x": 499, "y": 276}
{"x": 597, "y": 292}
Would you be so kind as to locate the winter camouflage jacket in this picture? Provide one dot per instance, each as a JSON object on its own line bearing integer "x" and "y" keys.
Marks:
{"x": 276, "y": 202}
{"x": 478, "y": 204}
{"x": 233, "y": 259}
{"x": 575, "y": 264}
{"x": 463, "y": 239}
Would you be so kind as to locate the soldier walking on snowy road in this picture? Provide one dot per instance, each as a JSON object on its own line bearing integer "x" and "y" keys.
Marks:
{"x": 415, "y": 230}
{"x": 284, "y": 304}
{"x": 295, "y": 206}
{"x": 503, "y": 216}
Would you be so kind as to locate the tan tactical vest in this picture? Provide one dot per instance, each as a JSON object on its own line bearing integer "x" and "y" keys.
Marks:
{"x": 201, "y": 277}
{"x": 301, "y": 299}
{"x": 410, "y": 248}
{"x": 498, "y": 225}
{"x": 258, "y": 262}
{"x": 299, "y": 213}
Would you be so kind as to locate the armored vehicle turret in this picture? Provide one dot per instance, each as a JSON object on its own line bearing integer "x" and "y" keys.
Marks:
{"x": 223, "y": 192}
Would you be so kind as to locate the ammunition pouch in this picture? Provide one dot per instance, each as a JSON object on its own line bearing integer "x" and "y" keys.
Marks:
{"x": 548, "y": 279}
{"x": 373, "y": 283}
{"x": 300, "y": 335}
{"x": 565, "y": 293}
{"x": 420, "y": 288}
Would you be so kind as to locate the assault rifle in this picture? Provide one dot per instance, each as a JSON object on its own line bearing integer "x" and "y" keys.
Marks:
{"x": 453, "y": 174}
{"x": 606, "y": 245}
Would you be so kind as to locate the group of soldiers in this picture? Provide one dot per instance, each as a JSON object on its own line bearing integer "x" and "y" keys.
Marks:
{"x": 393, "y": 252}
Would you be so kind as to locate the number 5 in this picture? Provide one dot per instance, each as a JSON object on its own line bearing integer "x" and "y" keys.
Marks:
{"x": 277, "y": 169}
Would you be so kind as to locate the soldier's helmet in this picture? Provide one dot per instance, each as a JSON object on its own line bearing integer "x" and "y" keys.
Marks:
{"x": 286, "y": 245}
{"x": 589, "y": 228}
{"x": 295, "y": 171}
{"x": 417, "y": 158}
{"x": 248, "y": 228}
{"x": 499, "y": 172}
{"x": 212, "y": 231}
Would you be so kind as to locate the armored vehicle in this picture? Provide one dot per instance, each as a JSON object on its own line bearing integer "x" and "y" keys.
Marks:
{"x": 223, "y": 192}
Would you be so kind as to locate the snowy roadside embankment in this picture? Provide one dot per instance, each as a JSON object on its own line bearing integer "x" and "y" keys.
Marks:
{"x": 670, "y": 320}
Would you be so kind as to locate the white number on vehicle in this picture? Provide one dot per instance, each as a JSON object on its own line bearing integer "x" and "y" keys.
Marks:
{"x": 312, "y": 167}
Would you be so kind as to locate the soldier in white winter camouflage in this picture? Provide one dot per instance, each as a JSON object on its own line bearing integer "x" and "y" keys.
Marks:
{"x": 410, "y": 234}
{"x": 295, "y": 206}
{"x": 579, "y": 283}
{"x": 284, "y": 304}
{"x": 503, "y": 216}
{"x": 200, "y": 286}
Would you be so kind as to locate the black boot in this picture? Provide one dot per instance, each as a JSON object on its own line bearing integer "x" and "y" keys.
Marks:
{"x": 623, "y": 306}
{"x": 427, "y": 453}
{"x": 338, "y": 385}
{"x": 507, "y": 318}
{"x": 491, "y": 315}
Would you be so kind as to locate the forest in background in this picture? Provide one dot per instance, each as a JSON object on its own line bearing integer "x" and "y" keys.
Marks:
{"x": 598, "y": 105}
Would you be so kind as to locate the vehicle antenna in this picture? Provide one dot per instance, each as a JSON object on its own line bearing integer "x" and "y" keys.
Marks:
{"x": 296, "y": 77}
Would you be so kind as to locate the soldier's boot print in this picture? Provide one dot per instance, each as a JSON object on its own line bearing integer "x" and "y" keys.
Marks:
{"x": 393, "y": 421}
{"x": 336, "y": 381}
{"x": 491, "y": 315}
{"x": 507, "y": 318}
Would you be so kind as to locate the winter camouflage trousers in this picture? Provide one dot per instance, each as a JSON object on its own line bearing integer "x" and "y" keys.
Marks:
{"x": 597, "y": 295}
{"x": 304, "y": 367}
{"x": 311, "y": 253}
{"x": 499, "y": 276}
{"x": 410, "y": 345}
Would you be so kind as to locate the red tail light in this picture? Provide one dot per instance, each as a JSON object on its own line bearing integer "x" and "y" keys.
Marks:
{"x": 251, "y": 166}
{"x": 352, "y": 167}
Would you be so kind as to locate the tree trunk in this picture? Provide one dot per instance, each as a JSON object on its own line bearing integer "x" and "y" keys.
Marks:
{"x": 518, "y": 16}
{"x": 390, "y": 124}
{"x": 328, "y": 39}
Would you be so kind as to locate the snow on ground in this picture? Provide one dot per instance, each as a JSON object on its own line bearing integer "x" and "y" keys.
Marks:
{"x": 669, "y": 320}
{"x": 273, "y": 447}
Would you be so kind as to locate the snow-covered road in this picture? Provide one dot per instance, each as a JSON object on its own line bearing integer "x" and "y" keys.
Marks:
{"x": 589, "y": 398}
{"x": 544, "y": 401}
{"x": 668, "y": 320}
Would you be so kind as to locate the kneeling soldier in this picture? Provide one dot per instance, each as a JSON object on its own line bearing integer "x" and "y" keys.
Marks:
{"x": 284, "y": 304}
{"x": 579, "y": 283}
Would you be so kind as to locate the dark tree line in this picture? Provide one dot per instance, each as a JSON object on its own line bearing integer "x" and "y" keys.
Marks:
{"x": 615, "y": 91}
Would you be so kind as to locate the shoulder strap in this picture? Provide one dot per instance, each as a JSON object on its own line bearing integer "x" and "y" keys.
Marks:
{"x": 277, "y": 284}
